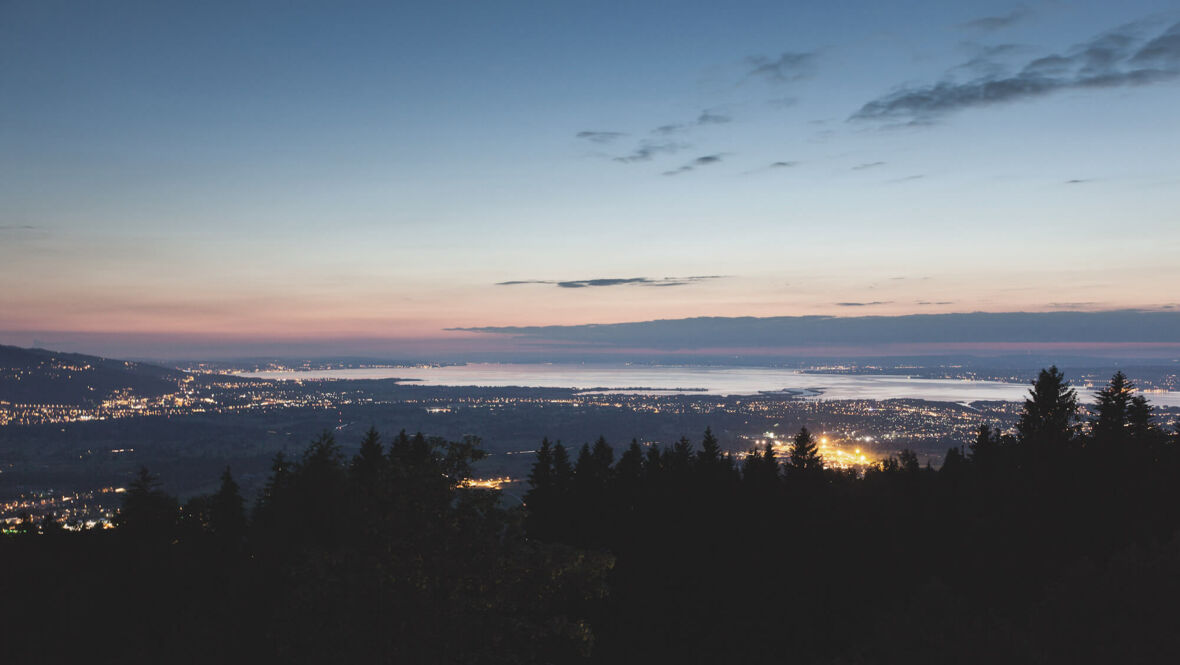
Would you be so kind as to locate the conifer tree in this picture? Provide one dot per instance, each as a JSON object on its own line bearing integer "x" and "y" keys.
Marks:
{"x": 604, "y": 457}
{"x": 1141, "y": 421}
{"x": 1113, "y": 404}
{"x": 678, "y": 460}
{"x": 908, "y": 462}
{"x": 563, "y": 473}
{"x": 541, "y": 475}
{"x": 760, "y": 468}
{"x": 653, "y": 463}
{"x": 1048, "y": 422}
{"x": 954, "y": 461}
{"x": 629, "y": 470}
{"x": 985, "y": 449}
{"x": 227, "y": 517}
{"x": 277, "y": 484}
{"x": 804, "y": 455}
{"x": 369, "y": 462}
{"x": 584, "y": 465}
{"x": 710, "y": 453}
{"x": 399, "y": 450}
{"x": 147, "y": 511}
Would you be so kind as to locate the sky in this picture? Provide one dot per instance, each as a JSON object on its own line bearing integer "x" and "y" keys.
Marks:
{"x": 213, "y": 177}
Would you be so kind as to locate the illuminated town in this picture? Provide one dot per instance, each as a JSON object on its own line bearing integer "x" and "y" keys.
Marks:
{"x": 87, "y": 447}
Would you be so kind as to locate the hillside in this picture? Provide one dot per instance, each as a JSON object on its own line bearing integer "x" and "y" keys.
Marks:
{"x": 39, "y": 376}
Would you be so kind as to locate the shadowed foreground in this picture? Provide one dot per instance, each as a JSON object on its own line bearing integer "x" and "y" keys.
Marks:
{"x": 1056, "y": 543}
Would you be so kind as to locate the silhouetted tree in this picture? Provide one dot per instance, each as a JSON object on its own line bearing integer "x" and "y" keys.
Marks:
{"x": 1047, "y": 424}
{"x": 227, "y": 515}
{"x": 804, "y": 455}
{"x": 907, "y": 461}
{"x": 954, "y": 461}
{"x": 563, "y": 473}
{"x": 653, "y": 463}
{"x": 147, "y": 511}
{"x": 985, "y": 448}
{"x": 629, "y": 470}
{"x": 678, "y": 460}
{"x": 541, "y": 475}
{"x": 710, "y": 455}
{"x": 369, "y": 463}
{"x": 604, "y": 457}
{"x": 1141, "y": 423}
{"x": 541, "y": 496}
{"x": 1112, "y": 405}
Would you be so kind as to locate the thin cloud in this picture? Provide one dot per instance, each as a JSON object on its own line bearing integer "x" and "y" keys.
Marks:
{"x": 985, "y": 60}
{"x": 705, "y": 160}
{"x": 585, "y": 283}
{"x": 993, "y": 23}
{"x": 935, "y": 302}
{"x": 773, "y": 166}
{"x": 711, "y": 118}
{"x": 1162, "y": 49}
{"x": 789, "y": 66}
{"x": 649, "y": 149}
{"x": 17, "y": 227}
{"x": 867, "y": 165}
{"x": 665, "y": 130}
{"x": 1077, "y": 181}
{"x": 600, "y": 137}
{"x": 1118, "y": 58}
{"x": 705, "y": 118}
{"x": 614, "y": 281}
{"x": 1072, "y": 305}
{"x": 863, "y": 304}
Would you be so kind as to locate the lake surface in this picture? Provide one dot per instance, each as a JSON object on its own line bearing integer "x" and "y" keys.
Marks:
{"x": 659, "y": 379}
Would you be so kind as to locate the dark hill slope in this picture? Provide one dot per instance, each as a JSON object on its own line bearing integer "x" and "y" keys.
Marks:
{"x": 38, "y": 376}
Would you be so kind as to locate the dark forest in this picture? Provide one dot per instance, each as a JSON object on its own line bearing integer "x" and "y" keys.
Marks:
{"x": 1057, "y": 542}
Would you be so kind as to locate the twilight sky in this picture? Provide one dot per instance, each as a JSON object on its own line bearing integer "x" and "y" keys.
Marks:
{"x": 196, "y": 176}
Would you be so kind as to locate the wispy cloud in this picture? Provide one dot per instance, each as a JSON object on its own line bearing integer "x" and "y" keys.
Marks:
{"x": 600, "y": 137}
{"x": 17, "y": 227}
{"x": 1117, "y": 58}
{"x": 773, "y": 166}
{"x": 987, "y": 59}
{"x": 993, "y": 23}
{"x": 863, "y": 304}
{"x": 1073, "y": 305}
{"x": 712, "y": 118}
{"x": 705, "y": 160}
{"x": 614, "y": 281}
{"x": 867, "y": 165}
{"x": 649, "y": 149}
{"x": 789, "y": 66}
{"x": 705, "y": 118}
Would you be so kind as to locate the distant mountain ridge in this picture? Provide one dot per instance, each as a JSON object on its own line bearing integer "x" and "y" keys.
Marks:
{"x": 40, "y": 376}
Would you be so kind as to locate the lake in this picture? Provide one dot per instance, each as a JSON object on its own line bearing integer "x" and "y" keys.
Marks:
{"x": 664, "y": 379}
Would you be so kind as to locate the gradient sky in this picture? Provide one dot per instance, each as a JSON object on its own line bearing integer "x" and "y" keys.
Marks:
{"x": 201, "y": 172}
